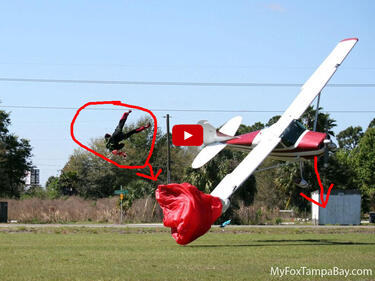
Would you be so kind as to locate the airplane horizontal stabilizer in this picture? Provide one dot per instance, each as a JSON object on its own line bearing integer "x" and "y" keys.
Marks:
{"x": 215, "y": 139}
{"x": 207, "y": 153}
{"x": 231, "y": 126}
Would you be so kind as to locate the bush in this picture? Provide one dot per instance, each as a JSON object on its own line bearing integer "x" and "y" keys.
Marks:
{"x": 278, "y": 220}
{"x": 256, "y": 214}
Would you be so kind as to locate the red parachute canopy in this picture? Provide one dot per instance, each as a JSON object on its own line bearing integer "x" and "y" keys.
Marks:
{"x": 187, "y": 211}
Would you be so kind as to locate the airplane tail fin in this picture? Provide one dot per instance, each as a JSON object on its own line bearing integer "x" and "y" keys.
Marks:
{"x": 215, "y": 139}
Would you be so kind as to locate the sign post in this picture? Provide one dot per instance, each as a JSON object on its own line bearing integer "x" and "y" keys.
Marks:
{"x": 121, "y": 193}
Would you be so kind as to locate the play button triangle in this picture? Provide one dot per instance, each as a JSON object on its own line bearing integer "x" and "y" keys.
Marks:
{"x": 187, "y": 135}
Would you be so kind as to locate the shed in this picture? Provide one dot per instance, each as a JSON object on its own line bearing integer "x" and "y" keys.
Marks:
{"x": 343, "y": 207}
{"x": 4, "y": 212}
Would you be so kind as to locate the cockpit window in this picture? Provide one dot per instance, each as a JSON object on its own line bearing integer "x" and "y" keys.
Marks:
{"x": 292, "y": 133}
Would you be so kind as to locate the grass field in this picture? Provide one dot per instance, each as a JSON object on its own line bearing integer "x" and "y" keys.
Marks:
{"x": 76, "y": 253}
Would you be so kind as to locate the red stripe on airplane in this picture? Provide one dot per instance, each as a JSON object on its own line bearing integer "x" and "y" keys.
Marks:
{"x": 347, "y": 39}
{"x": 245, "y": 139}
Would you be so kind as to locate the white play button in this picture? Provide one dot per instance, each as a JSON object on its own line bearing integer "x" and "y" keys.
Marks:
{"x": 187, "y": 135}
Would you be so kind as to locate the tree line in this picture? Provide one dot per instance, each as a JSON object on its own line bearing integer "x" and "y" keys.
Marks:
{"x": 88, "y": 176}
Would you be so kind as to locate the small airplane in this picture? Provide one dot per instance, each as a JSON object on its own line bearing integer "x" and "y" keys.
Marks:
{"x": 286, "y": 140}
{"x": 190, "y": 213}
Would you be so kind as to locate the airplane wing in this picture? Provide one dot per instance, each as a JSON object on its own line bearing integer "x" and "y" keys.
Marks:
{"x": 315, "y": 84}
{"x": 272, "y": 136}
{"x": 232, "y": 181}
{"x": 207, "y": 153}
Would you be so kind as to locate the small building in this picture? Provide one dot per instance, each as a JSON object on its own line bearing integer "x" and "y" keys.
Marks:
{"x": 343, "y": 207}
{"x": 32, "y": 177}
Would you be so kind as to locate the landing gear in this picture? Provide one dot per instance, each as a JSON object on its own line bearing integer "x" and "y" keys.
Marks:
{"x": 303, "y": 183}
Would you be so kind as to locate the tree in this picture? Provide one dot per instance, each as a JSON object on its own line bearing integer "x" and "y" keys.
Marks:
{"x": 15, "y": 160}
{"x": 273, "y": 120}
{"x": 364, "y": 163}
{"x": 69, "y": 183}
{"x": 349, "y": 138}
{"x": 372, "y": 124}
{"x": 34, "y": 191}
{"x": 324, "y": 123}
{"x": 243, "y": 129}
{"x": 52, "y": 187}
{"x": 90, "y": 176}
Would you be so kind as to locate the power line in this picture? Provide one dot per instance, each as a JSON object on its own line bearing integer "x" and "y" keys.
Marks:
{"x": 176, "y": 66}
{"x": 220, "y": 66}
{"x": 121, "y": 109}
{"x": 177, "y": 83}
{"x": 176, "y": 109}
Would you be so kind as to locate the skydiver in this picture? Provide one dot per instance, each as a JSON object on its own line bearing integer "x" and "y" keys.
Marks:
{"x": 113, "y": 141}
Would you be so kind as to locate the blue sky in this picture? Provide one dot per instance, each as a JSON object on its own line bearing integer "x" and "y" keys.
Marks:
{"x": 192, "y": 41}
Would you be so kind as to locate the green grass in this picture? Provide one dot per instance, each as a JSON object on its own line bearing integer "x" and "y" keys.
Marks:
{"x": 69, "y": 253}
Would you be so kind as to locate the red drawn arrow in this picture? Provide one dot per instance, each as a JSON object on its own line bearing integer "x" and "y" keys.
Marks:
{"x": 324, "y": 202}
{"x": 152, "y": 175}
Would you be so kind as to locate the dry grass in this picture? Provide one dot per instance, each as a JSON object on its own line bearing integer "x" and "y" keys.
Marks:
{"x": 76, "y": 209}
{"x": 107, "y": 210}
{"x": 144, "y": 210}
{"x": 257, "y": 214}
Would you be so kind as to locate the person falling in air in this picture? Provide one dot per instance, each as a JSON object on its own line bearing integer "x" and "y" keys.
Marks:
{"x": 112, "y": 142}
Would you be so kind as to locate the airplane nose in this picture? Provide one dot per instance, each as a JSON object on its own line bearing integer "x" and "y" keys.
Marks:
{"x": 331, "y": 146}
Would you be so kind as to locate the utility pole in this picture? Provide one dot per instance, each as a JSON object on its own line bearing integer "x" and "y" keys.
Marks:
{"x": 121, "y": 198}
{"x": 168, "y": 152}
